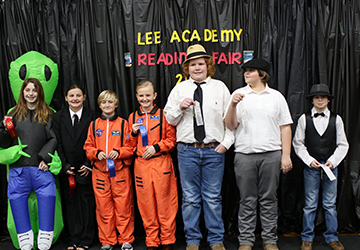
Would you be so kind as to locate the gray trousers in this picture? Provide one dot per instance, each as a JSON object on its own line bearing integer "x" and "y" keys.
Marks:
{"x": 257, "y": 177}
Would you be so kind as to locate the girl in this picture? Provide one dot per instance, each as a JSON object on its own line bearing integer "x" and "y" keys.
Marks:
{"x": 155, "y": 179}
{"x": 32, "y": 122}
{"x": 70, "y": 125}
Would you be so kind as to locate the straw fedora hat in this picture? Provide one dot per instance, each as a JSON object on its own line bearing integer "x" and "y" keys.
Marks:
{"x": 195, "y": 51}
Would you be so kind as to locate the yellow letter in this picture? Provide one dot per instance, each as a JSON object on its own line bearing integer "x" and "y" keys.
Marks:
{"x": 175, "y": 36}
{"x": 157, "y": 37}
{"x": 195, "y": 35}
{"x": 238, "y": 34}
{"x": 148, "y": 38}
{"x": 225, "y": 35}
{"x": 139, "y": 39}
{"x": 214, "y": 33}
{"x": 207, "y": 35}
{"x": 183, "y": 35}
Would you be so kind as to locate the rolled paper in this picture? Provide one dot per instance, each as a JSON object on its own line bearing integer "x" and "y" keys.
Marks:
{"x": 10, "y": 126}
{"x": 144, "y": 135}
{"x": 71, "y": 184}
{"x": 111, "y": 166}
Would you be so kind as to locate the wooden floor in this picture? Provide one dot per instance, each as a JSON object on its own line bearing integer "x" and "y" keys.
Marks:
{"x": 286, "y": 242}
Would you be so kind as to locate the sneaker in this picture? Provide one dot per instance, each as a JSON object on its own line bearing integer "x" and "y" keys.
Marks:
{"x": 219, "y": 246}
{"x": 192, "y": 247}
{"x": 245, "y": 247}
{"x": 306, "y": 245}
{"x": 336, "y": 245}
{"x": 270, "y": 246}
{"x": 126, "y": 246}
{"x": 106, "y": 247}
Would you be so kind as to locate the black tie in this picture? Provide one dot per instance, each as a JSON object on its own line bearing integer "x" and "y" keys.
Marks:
{"x": 319, "y": 114}
{"x": 199, "y": 130}
{"x": 76, "y": 122}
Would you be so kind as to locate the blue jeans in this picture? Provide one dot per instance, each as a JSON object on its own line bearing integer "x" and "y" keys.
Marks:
{"x": 312, "y": 181}
{"x": 201, "y": 174}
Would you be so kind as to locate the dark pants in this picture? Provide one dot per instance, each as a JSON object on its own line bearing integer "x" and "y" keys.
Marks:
{"x": 80, "y": 212}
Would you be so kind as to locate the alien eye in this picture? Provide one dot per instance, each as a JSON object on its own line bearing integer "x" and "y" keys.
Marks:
{"x": 22, "y": 72}
{"x": 47, "y": 73}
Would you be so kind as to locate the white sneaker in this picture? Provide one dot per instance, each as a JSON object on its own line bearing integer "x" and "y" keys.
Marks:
{"x": 106, "y": 247}
{"x": 45, "y": 239}
{"x": 26, "y": 240}
{"x": 126, "y": 246}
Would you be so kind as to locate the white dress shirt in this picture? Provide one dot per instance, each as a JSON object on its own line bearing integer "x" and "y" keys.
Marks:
{"x": 72, "y": 113}
{"x": 215, "y": 97}
{"x": 260, "y": 116}
{"x": 320, "y": 124}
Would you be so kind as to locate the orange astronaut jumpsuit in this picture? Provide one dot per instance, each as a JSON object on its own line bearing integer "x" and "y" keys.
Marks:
{"x": 113, "y": 195}
{"x": 155, "y": 181}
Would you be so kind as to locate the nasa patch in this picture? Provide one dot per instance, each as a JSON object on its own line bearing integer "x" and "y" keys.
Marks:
{"x": 99, "y": 132}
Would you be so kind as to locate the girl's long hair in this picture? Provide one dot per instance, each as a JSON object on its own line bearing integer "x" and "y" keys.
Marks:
{"x": 43, "y": 112}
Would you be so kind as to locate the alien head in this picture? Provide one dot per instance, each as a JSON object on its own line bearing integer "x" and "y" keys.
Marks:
{"x": 34, "y": 65}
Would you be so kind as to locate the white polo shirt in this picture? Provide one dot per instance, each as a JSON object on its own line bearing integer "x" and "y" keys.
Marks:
{"x": 260, "y": 116}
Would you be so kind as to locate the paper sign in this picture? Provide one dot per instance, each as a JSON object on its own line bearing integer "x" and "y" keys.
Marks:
{"x": 328, "y": 172}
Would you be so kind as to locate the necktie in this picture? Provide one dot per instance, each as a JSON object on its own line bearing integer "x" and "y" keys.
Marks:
{"x": 199, "y": 131}
{"x": 319, "y": 114}
{"x": 76, "y": 122}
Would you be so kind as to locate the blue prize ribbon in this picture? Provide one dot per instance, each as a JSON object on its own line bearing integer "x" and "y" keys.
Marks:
{"x": 111, "y": 166}
{"x": 144, "y": 135}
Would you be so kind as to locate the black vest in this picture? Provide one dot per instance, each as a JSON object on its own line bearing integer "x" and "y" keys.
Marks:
{"x": 320, "y": 147}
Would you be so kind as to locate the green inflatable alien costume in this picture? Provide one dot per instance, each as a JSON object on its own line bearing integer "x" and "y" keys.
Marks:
{"x": 33, "y": 65}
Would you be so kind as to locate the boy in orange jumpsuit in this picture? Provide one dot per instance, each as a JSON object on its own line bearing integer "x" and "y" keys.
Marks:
{"x": 110, "y": 152}
{"x": 155, "y": 181}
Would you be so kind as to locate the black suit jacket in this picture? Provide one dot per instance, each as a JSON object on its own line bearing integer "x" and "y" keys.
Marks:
{"x": 70, "y": 143}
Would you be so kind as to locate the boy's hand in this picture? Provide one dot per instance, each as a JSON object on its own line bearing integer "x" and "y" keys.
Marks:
{"x": 329, "y": 164}
{"x": 114, "y": 154}
{"x": 187, "y": 102}
{"x": 316, "y": 164}
{"x": 102, "y": 156}
{"x": 135, "y": 127}
{"x": 220, "y": 149}
{"x": 286, "y": 164}
{"x": 237, "y": 98}
{"x": 149, "y": 151}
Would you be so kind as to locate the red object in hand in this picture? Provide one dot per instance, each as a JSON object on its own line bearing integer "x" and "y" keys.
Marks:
{"x": 11, "y": 128}
{"x": 71, "y": 184}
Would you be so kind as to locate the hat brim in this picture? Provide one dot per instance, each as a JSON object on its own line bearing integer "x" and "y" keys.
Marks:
{"x": 196, "y": 55}
{"x": 310, "y": 96}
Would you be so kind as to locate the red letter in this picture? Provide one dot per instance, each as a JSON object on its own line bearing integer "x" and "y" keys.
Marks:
{"x": 169, "y": 59}
{"x": 214, "y": 56}
{"x": 151, "y": 57}
{"x": 223, "y": 58}
{"x": 141, "y": 59}
{"x": 161, "y": 59}
{"x": 236, "y": 57}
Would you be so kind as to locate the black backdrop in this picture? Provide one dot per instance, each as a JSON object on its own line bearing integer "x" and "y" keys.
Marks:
{"x": 307, "y": 42}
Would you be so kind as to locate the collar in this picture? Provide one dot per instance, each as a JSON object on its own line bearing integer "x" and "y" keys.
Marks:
{"x": 110, "y": 118}
{"x": 250, "y": 90}
{"x": 153, "y": 111}
{"x": 326, "y": 112}
{"x": 79, "y": 113}
{"x": 206, "y": 80}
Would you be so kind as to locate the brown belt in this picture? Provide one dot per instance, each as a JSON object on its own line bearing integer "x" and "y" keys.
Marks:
{"x": 203, "y": 145}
